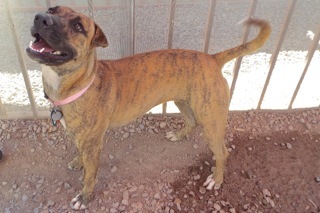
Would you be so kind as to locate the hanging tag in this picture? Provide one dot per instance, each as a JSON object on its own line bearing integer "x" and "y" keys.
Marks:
{"x": 55, "y": 116}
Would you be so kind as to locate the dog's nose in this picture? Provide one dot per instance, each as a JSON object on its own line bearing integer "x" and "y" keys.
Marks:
{"x": 42, "y": 19}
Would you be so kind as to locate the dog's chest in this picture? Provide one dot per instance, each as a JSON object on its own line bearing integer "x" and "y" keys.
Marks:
{"x": 51, "y": 78}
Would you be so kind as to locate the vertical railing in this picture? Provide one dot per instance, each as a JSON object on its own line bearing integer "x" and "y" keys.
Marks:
{"x": 170, "y": 38}
{"x": 171, "y": 22}
{"x": 91, "y": 9}
{"x": 132, "y": 26}
{"x": 3, "y": 111}
{"x": 21, "y": 60}
{"x": 244, "y": 40}
{"x": 312, "y": 49}
{"x": 275, "y": 54}
{"x": 210, "y": 20}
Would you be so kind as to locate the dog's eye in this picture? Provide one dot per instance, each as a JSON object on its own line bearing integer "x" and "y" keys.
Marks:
{"x": 50, "y": 11}
{"x": 78, "y": 27}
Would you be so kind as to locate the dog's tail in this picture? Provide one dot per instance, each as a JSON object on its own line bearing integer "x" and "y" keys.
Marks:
{"x": 249, "y": 47}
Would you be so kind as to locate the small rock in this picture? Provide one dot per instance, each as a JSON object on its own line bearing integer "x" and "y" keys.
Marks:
{"x": 271, "y": 202}
{"x": 249, "y": 174}
{"x": 240, "y": 129}
{"x": 115, "y": 205}
{"x": 125, "y": 202}
{"x": 289, "y": 146}
{"x": 217, "y": 207}
{"x": 191, "y": 193}
{"x": 246, "y": 206}
{"x": 266, "y": 193}
{"x": 50, "y": 203}
{"x": 202, "y": 190}
{"x": 25, "y": 198}
{"x": 113, "y": 210}
{"x": 111, "y": 157}
{"x": 58, "y": 190}
{"x": 177, "y": 201}
{"x": 14, "y": 186}
{"x": 71, "y": 191}
{"x": 125, "y": 135}
{"x": 196, "y": 177}
{"x": 125, "y": 195}
{"x": 157, "y": 196}
{"x": 5, "y": 126}
{"x": 195, "y": 146}
{"x": 141, "y": 126}
{"x": 317, "y": 179}
{"x": 114, "y": 169}
{"x": 133, "y": 189}
{"x": 232, "y": 210}
{"x": 163, "y": 125}
{"x": 66, "y": 185}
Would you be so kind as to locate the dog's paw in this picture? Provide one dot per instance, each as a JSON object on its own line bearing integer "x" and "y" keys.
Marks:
{"x": 172, "y": 136}
{"x": 77, "y": 203}
{"x": 75, "y": 164}
{"x": 210, "y": 183}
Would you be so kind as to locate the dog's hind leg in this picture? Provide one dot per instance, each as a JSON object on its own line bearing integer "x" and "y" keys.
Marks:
{"x": 190, "y": 122}
{"x": 214, "y": 125}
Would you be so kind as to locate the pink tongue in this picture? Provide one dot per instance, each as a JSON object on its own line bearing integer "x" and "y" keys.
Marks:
{"x": 42, "y": 44}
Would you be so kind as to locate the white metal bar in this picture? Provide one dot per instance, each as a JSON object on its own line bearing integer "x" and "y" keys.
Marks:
{"x": 132, "y": 25}
{"x": 244, "y": 40}
{"x": 91, "y": 9}
{"x": 21, "y": 61}
{"x": 212, "y": 8}
{"x": 275, "y": 54}
{"x": 171, "y": 22}
{"x": 309, "y": 57}
{"x": 170, "y": 36}
{"x": 3, "y": 113}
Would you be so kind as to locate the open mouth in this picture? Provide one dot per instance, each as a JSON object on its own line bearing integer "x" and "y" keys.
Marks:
{"x": 41, "y": 51}
{"x": 41, "y": 46}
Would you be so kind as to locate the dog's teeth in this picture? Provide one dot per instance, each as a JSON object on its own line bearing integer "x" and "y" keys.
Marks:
{"x": 41, "y": 51}
{"x": 56, "y": 52}
{"x": 30, "y": 44}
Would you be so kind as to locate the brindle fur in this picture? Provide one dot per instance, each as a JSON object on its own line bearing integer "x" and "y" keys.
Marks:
{"x": 125, "y": 89}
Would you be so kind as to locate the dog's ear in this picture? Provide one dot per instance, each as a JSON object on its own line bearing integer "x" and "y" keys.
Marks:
{"x": 99, "y": 39}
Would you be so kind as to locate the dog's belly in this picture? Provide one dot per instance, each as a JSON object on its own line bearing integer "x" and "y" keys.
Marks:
{"x": 122, "y": 116}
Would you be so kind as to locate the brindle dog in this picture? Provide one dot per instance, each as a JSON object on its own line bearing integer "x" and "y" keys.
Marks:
{"x": 115, "y": 92}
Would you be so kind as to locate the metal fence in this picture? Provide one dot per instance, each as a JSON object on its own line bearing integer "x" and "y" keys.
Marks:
{"x": 284, "y": 74}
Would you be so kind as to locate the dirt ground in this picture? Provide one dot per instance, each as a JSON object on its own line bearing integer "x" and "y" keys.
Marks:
{"x": 273, "y": 166}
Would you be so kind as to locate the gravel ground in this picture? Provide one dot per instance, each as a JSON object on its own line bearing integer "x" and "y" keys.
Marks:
{"x": 272, "y": 167}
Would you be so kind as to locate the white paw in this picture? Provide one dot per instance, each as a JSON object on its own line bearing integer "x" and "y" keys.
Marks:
{"x": 77, "y": 203}
{"x": 210, "y": 183}
{"x": 172, "y": 136}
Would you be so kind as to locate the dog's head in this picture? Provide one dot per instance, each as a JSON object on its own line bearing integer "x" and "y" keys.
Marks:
{"x": 64, "y": 37}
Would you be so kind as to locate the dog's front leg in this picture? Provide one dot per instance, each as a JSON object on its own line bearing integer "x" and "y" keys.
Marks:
{"x": 89, "y": 152}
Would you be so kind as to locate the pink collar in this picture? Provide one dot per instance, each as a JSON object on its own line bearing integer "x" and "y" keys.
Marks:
{"x": 72, "y": 97}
